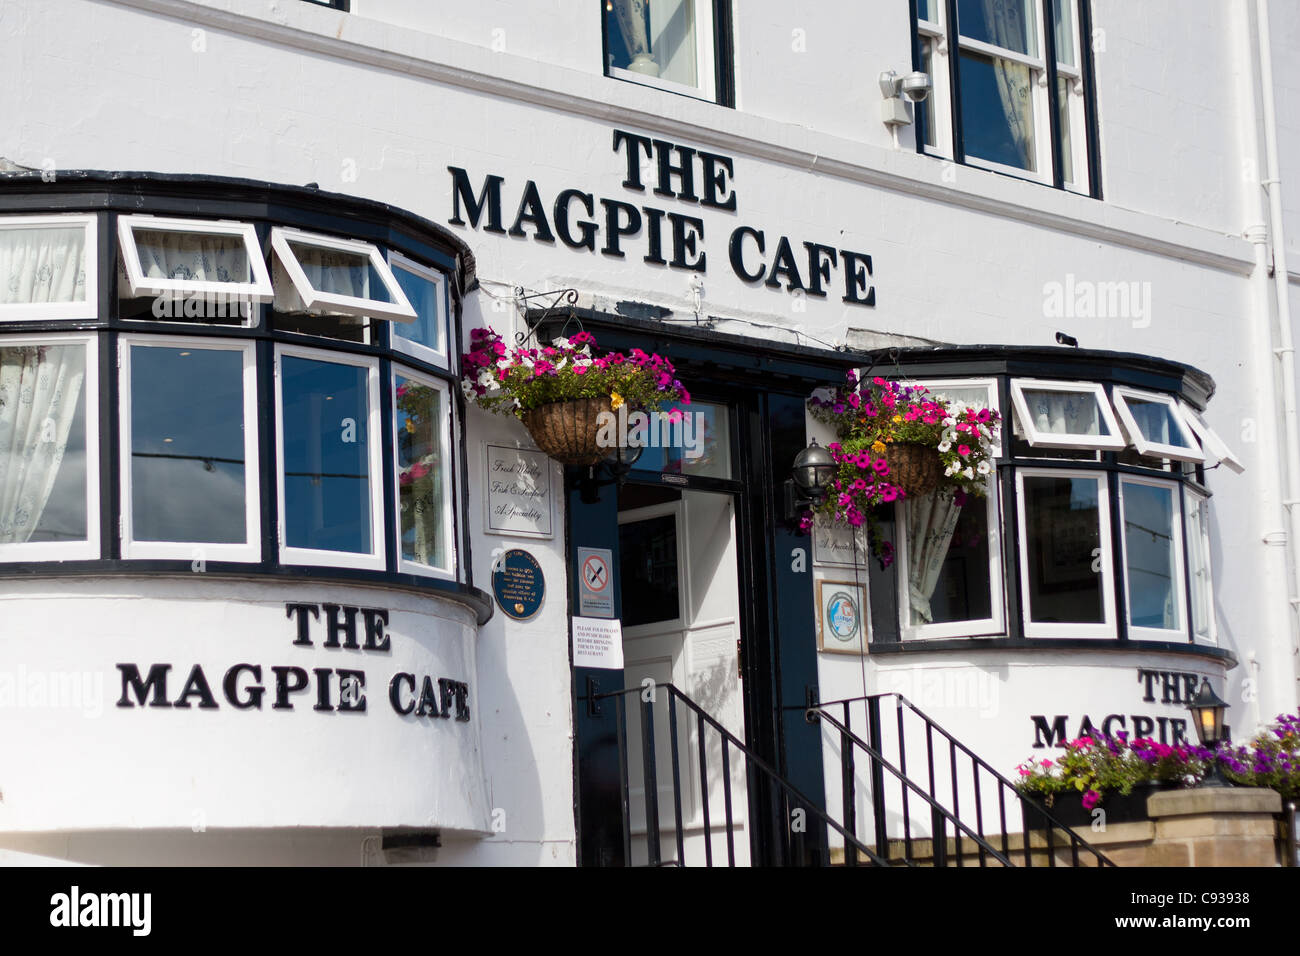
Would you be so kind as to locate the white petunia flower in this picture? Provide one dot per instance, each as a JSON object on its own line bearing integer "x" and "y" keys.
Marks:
{"x": 969, "y": 473}
{"x": 944, "y": 446}
{"x": 984, "y": 468}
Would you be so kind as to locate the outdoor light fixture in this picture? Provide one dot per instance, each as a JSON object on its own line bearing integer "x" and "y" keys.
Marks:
{"x": 812, "y": 473}
{"x": 915, "y": 86}
{"x": 1207, "y": 716}
{"x": 615, "y": 466}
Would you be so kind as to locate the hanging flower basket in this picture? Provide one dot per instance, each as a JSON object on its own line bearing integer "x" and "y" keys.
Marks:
{"x": 913, "y": 467}
{"x": 567, "y": 430}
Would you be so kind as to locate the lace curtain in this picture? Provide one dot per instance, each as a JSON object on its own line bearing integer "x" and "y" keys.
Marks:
{"x": 328, "y": 270}
{"x": 1064, "y": 413}
{"x": 42, "y": 264}
{"x": 39, "y": 391}
{"x": 931, "y": 521}
{"x": 1008, "y": 29}
{"x": 632, "y": 20}
{"x": 194, "y": 256}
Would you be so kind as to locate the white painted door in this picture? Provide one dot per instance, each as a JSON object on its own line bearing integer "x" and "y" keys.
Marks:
{"x": 681, "y": 625}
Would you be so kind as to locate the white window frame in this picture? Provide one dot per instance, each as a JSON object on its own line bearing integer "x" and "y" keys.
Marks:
{"x": 87, "y": 308}
{"x": 251, "y": 549}
{"x": 1105, "y": 630}
{"x": 1144, "y": 446}
{"x": 399, "y": 310}
{"x": 1195, "y": 500}
{"x": 1211, "y": 442}
{"x": 1112, "y": 442}
{"x": 684, "y": 599}
{"x": 439, "y": 357}
{"x": 979, "y": 627}
{"x": 1041, "y": 109}
{"x": 447, "y": 572}
{"x": 89, "y": 548}
{"x": 376, "y": 558}
{"x": 936, "y": 387}
{"x": 935, "y": 36}
{"x": 705, "y": 61}
{"x": 257, "y": 290}
{"x": 1180, "y": 583}
{"x": 1075, "y": 105}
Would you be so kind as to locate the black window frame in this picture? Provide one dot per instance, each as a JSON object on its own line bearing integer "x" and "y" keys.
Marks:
{"x": 724, "y": 56}
{"x": 1087, "y": 70}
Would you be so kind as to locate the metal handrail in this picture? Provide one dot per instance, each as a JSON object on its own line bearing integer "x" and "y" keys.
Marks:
{"x": 729, "y": 741}
{"x": 978, "y": 764}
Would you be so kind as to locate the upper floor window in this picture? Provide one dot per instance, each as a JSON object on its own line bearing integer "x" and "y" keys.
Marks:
{"x": 1012, "y": 88}
{"x": 682, "y": 46}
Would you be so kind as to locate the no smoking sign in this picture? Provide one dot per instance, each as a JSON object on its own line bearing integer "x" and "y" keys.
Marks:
{"x": 595, "y": 574}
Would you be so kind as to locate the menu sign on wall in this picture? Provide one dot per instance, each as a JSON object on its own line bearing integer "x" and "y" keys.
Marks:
{"x": 517, "y": 491}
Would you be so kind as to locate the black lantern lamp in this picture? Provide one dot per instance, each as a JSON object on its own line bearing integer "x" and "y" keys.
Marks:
{"x": 812, "y": 474}
{"x": 1207, "y": 710}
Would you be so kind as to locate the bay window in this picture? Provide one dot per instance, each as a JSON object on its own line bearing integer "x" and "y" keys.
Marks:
{"x": 186, "y": 423}
{"x": 189, "y": 430}
{"x": 1096, "y": 521}
{"x": 330, "y": 495}
{"x": 681, "y": 46}
{"x": 49, "y": 448}
{"x": 1011, "y": 87}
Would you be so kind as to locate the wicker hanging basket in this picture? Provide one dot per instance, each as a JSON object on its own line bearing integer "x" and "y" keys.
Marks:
{"x": 567, "y": 430}
{"x": 914, "y": 468}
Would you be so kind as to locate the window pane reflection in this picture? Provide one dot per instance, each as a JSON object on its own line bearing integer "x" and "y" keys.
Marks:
{"x": 188, "y": 474}
{"x": 1150, "y": 556}
{"x": 326, "y": 460}
{"x": 1063, "y": 533}
{"x": 426, "y": 298}
{"x": 997, "y": 110}
{"x": 421, "y": 473}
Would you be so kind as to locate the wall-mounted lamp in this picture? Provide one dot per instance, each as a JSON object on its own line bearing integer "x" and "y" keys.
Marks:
{"x": 915, "y": 86}
{"x": 615, "y": 467}
{"x": 1207, "y": 710}
{"x": 811, "y": 476}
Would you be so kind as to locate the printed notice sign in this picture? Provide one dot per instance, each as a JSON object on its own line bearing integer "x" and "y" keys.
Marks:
{"x": 595, "y": 582}
{"x": 517, "y": 491}
{"x": 597, "y": 642}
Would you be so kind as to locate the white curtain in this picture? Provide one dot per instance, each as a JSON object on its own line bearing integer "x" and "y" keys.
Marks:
{"x": 191, "y": 255}
{"x": 1064, "y": 413}
{"x": 39, "y": 390}
{"x": 1009, "y": 29}
{"x": 328, "y": 270}
{"x": 632, "y": 20}
{"x": 42, "y": 264}
{"x": 931, "y": 521}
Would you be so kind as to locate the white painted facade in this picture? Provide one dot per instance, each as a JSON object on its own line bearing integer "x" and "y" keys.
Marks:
{"x": 378, "y": 103}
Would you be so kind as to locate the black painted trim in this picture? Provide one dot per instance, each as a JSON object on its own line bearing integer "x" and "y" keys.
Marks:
{"x": 970, "y": 644}
{"x": 954, "y": 84}
{"x": 1053, "y": 92}
{"x": 1088, "y": 66}
{"x": 724, "y": 54}
{"x": 477, "y": 600}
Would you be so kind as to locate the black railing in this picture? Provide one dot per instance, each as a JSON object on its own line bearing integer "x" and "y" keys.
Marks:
{"x": 795, "y": 833}
{"x": 1047, "y": 841}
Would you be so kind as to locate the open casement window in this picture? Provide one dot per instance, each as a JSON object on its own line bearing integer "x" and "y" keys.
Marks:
{"x": 1155, "y": 425}
{"x": 190, "y": 477}
{"x": 330, "y": 474}
{"x": 426, "y": 289}
{"x": 1054, "y": 414}
{"x": 1200, "y": 582}
{"x": 1066, "y": 577}
{"x": 49, "y": 448}
{"x": 335, "y": 276}
{"x": 934, "y": 117}
{"x": 424, "y": 471}
{"x": 1214, "y": 447}
{"x": 1153, "y": 559}
{"x": 668, "y": 44}
{"x": 950, "y": 566}
{"x": 48, "y": 267}
{"x": 183, "y": 259}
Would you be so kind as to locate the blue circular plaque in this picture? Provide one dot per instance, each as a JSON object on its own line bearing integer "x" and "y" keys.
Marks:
{"x": 518, "y": 584}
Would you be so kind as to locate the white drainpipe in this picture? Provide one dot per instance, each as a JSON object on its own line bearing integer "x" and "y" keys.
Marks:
{"x": 1284, "y": 350}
